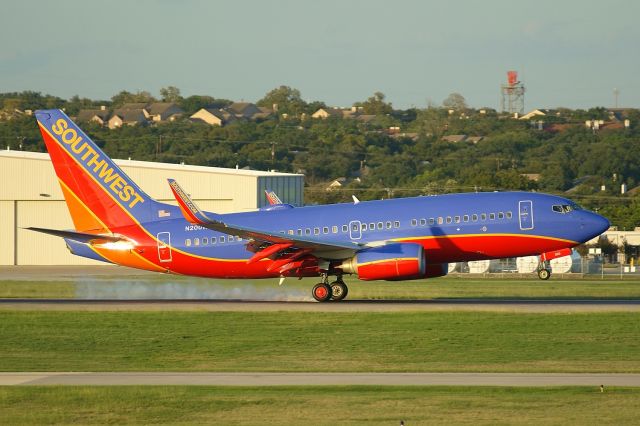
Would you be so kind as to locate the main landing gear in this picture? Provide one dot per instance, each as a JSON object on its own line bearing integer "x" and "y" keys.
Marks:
{"x": 324, "y": 292}
{"x": 544, "y": 271}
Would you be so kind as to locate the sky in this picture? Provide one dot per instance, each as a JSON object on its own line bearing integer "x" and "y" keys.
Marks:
{"x": 568, "y": 53}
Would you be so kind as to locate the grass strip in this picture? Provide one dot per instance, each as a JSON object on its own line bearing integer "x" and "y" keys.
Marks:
{"x": 317, "y": 405}
{"x": 309, "y": 341}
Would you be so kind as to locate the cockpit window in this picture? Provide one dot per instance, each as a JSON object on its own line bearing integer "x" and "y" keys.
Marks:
{"x": 564, "y": 208}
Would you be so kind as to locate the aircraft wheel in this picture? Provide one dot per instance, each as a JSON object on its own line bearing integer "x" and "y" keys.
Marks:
{"x": 321, "y": 292}
{"x": 339, "y": 290}
{"x": 544, "y": 274}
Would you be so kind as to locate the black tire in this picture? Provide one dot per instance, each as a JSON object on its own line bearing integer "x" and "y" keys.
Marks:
{"x": 544, "y": 274}
{"x": 321, "y": 292}
{"x": 339, "y": 290}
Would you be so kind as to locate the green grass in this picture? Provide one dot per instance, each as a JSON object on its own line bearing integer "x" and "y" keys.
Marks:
{"x": 317, "y": 405}
{"x": 309, "y": 341}
{"x": 449, "y": 287}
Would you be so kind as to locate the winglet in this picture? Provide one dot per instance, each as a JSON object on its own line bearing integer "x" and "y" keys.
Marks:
{"x": 189, "y": 209}
{"x": 272, "y": 197}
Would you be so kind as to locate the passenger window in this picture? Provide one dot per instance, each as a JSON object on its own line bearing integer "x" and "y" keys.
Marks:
{"x": 307, "y": 231}
{"x": 299, "y": 231}
{"x": 325, "y": 230}
{"x": 334, "y": 229}
{"x": 474, "y": 217}
{"x": 380, "y": 225}
{"x": 423, "y": 222}
{"x": 196, "y": 241}
{"x": 372, "y": 226}
{"x": 396, "y": 224}
{"x": 508, "y": 215}
{"x": 316, "y": 231}
{"x": 500, "y": 215}
{"x": 290, "y": 231}
{"x": 457, "y": 219}
{"x": 432, "y": 221}
{"x": 483, "y": 216}
{"x": 345, "y": 228}
{"x": 222, "y": 240}
{"x": 388, "y": 225}
{"x": 448, "y": 219}
{"x": 465, "y": 218}
{"x": 492, "y": 216}
{"x": 440, "y": 220}
{"x": 187, "y": 242}
{"x": 557, "y": 209}
{"x": 414, "y": 222}
{"x": 213, "y": 240}
{"x": 363, "y": 226}
{"x": 205, "y": 241}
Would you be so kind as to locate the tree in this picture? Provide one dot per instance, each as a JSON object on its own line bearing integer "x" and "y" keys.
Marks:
{"x": 170, "y": 94}
{"x": 455, "y": 101}
{"x": 125, "y": 97}
{"x": 376, "y": 105}
{"x": 286, "y": 100}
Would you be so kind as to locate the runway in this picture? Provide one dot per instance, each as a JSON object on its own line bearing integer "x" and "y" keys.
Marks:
{"x": 427, "y": 305}
{"x": 318, "y": 379}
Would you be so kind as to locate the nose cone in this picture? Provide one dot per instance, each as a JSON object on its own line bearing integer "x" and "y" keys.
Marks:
{"x": 594, "y": 225}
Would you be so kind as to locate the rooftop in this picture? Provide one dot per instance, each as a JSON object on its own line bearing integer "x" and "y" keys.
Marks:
{"x": 43, "y": 156}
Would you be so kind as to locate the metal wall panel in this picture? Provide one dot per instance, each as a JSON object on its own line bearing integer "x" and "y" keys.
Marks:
{"x": 7, "y": 236}
{"x": 35, "y": 248}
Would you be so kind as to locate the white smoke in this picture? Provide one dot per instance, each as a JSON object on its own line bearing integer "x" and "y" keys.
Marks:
{"x": 118, "y": 289}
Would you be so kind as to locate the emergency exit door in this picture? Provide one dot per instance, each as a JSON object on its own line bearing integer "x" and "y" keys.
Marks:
{"x": 164, "y": 247}
{"x": 526, "y": 214}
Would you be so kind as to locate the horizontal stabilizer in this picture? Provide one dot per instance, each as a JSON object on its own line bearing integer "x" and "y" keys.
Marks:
{"x": 81, "y": 237}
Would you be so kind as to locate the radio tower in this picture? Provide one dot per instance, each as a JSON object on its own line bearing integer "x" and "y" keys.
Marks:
{"x": 512, "y": 94}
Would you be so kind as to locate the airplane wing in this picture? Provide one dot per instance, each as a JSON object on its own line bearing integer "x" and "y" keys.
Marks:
{"x": 81, "y": 237}
{"x": 194, "y": 215}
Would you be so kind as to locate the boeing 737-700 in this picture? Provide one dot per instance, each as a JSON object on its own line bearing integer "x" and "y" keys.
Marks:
{"x": 394, "y": 239}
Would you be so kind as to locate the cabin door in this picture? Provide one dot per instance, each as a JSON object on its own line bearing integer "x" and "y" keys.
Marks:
{"x": 164, "y": 247}
{"x": 526, "y": 214}
{"x": 355, "y": 230}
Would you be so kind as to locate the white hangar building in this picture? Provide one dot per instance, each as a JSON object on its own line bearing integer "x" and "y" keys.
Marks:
{"x": 30, "y": 196}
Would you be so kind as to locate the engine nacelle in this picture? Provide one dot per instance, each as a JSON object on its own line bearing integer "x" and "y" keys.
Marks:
{"x": 401, "y": 261}
{"x": 435, "y": 270}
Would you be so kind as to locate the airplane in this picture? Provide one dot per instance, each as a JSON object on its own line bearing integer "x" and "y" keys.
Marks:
{"x": 395, "y": 239}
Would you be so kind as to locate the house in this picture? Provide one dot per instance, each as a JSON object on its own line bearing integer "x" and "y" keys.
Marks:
{"x": 99, "y": 116}
{"x": 340, "y": 182}
{"x": 130, "y": 117}
{"x": 213, "y": 116}
{"x": 475, "y": 139}
{"x": 454, "y": 138}
{"x": 164, "y": 111}
{"x": 243, "y": 109}
{"x": 327, "y": 112}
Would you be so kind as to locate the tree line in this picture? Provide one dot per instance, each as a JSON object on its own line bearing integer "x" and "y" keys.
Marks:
{"x": 400, "y": 152}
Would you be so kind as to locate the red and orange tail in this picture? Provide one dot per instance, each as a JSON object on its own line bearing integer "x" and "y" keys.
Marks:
{"x": 100, "y": 196}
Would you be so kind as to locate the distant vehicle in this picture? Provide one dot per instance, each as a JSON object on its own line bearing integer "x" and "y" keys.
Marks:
{"x": 396, "y": 239}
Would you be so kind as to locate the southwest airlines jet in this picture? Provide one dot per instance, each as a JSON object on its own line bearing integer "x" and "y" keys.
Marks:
{"x": 396, "y": 239}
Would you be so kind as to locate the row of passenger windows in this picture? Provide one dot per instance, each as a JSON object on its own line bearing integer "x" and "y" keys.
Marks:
{"x": 355, "y": 226}
{"x": 372, "y": 226}
{"x": 465, "y": 218}
{"x": 214, "y": 240}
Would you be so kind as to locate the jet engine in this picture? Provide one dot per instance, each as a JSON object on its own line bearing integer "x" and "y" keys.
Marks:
{"x": 399, "y": 261}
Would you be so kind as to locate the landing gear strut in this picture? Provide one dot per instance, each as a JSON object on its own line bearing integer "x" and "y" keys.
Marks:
{"x": 544, "y": 271}
{"x": 323, "y": 291}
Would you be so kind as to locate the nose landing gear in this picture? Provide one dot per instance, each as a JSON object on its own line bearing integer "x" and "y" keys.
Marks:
{"x": 544, "y": 271}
